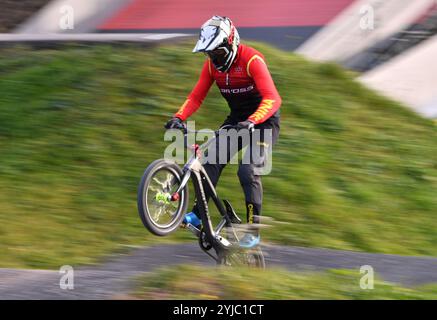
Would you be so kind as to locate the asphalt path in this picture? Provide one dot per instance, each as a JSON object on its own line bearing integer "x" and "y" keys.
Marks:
{"x": 115, "y": 278}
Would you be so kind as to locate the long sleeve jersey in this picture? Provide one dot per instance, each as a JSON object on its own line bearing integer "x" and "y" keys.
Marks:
{"x": 247, "y": 87}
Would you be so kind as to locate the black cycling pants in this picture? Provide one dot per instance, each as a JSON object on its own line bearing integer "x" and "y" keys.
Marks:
{"x": 255, "y": 162}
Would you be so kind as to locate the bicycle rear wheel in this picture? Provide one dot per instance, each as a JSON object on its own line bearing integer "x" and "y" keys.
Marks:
{"x": 253, "y": 258}
{"x": 160, "y": 215}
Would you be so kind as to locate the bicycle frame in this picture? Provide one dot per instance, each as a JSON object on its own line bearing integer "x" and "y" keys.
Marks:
{"x": 194, "y": 169}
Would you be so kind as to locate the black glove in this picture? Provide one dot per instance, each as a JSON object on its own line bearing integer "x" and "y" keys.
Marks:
{"x": 174, "y": 123}
{"x": 249, "y": 125}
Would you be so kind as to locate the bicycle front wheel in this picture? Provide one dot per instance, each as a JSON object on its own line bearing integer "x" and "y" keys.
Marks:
{"x": 160, "y": 215}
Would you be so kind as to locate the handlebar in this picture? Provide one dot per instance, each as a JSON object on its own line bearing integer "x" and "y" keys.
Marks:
{"x": 186, "y": 131}
{"x": 227, "y": 126}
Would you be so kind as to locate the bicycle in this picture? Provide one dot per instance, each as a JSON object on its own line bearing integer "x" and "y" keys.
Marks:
{"x": 163, "y": 199}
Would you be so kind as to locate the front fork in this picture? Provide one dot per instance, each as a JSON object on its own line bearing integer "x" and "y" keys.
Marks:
{"x": 184, "y": 181}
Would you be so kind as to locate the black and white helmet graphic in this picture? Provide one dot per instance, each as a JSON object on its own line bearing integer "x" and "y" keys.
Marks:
{"x": 219, "y": 39}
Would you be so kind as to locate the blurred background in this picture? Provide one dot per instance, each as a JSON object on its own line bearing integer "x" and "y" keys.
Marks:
{"x": 86, "y": 86}
{"x": 360, "y": 35}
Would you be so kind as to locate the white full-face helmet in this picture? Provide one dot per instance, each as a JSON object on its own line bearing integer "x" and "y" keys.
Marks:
{"x": 219, "y": 39}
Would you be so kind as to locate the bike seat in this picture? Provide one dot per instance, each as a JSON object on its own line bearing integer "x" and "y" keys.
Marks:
{"x": 231, "y": 213}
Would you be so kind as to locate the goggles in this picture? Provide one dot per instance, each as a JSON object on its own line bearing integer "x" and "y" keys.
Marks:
{"x": 218, "y": 56}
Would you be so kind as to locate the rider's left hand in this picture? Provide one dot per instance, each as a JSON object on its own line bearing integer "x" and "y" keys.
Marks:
{"x": 249, "y": 125}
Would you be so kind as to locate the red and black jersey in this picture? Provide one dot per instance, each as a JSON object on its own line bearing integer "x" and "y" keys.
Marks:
{"x": 247, "y": 86}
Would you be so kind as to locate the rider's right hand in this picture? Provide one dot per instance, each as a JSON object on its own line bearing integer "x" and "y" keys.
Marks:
{"x": 174, "y": 123}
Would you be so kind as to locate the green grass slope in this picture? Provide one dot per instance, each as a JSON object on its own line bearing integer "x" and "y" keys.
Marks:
{"x": 79, "y": 125}
{"x": 274, "y": 284}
